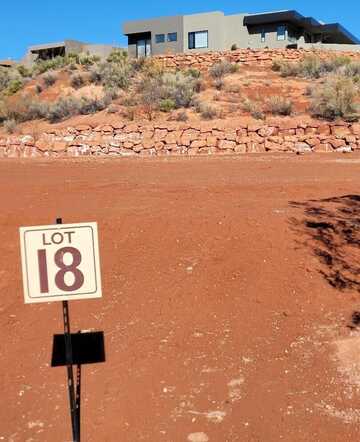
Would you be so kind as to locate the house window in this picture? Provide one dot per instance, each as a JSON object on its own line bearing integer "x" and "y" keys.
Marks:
{"x": 281, "y": 33}
{"x": 198, "y": 40}
{"x": 263, "y": 36}
{"x": 160, "y": 38}
{"x": 172, "y": 36}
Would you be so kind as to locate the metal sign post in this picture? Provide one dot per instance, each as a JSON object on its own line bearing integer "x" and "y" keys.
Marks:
{"x": 74, "y": 411}
{"x": 61, "y": 263}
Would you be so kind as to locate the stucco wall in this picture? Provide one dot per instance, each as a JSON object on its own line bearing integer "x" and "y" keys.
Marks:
{"x": 213, "y": 22}
{"x": 162, "y": 25}
{"x": 235, "y": 31}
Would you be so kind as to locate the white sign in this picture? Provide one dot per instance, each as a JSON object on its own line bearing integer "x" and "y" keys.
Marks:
{"x": 60, "y": 262}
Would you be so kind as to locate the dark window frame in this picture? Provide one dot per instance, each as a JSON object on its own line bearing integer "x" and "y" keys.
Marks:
{"x": 159, "y": 38}
{"x": 170, "y": 39}
{"x": 191, "y": 39}
{"x": 278, "y": 35}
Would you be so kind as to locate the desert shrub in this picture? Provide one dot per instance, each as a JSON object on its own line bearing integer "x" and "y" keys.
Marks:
{"x": 117, "y": 56}
{"x": 24, "y": 109}
{"x": 36, "y": 110}
{"x": 77, "y": 80}
{"x": 233, "y": 88}
{"x": 177, "y": 87}
{"x": 49, "y": 79}
{"x": 14, "y": 86}
{"x": 62, "y": 109}
{"x": 222, "y": 68}
{"x": 254, "y": 108}
{"x": 234, "y": 47}
{"x": 96, "y": 74}
{"x": 115, "y": 75}
{"x": 91, "y": 105}
{"x": 219, "y": 84}
{"x": 150, "y": 67}
{"x": 42, "y": 66}
{"x": 4, "y": 78}
{"x": 312, "y": 66}
{"x": 192, "y": 72}
{"x": 167, "y": 105}
{"x": 85, "y": 59}
{"x": 24, "y": 71}
{"x": 335, "y": 98}
{"x": 181, "y": 116}
{"x": 352, "y": 70}
{"x": 279, "y": 105}
{"x": 208, "y": 112}
{"x": 10, "y": 126}
{"x": 38, "y": 88}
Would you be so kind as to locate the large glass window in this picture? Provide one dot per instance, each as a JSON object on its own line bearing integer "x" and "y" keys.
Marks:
{"x": 281, "y": 32}
{"x": 160, "y": 38}
{"x": 172, "y": 36}
{"x": 198, "y": 40}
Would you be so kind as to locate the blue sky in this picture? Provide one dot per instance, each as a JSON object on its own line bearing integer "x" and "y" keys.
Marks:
{"x": 27, "y": 22}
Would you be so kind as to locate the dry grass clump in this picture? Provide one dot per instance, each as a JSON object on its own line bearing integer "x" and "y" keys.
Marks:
{"x": 254, "y": 108}
{"x": 49, "y": 79}
{"x": 312, "y": 66}
{"x": 279, "y": 105}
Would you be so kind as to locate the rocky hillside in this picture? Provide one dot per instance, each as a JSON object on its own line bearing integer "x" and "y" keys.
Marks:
{"x": 234, "y": 90}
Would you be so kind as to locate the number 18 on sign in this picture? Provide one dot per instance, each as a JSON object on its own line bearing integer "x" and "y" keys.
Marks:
{"x": 60, "y": 262}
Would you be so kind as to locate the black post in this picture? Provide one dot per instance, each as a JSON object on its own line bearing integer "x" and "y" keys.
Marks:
{"x": 75, "y": 422}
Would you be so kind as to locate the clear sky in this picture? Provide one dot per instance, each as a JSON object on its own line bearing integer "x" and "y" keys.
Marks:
{"x": 27, "y": 22}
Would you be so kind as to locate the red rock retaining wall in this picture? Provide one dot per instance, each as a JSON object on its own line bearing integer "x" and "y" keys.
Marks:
{"x": 265, "y": 57}
{"x": 182, "y": 139}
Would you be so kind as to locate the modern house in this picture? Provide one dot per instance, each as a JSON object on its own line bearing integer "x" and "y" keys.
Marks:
{"x": 51, "y": 50}
{"x": 215, "y": 31}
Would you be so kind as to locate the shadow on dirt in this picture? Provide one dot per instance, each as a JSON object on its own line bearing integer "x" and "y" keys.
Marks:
{"x": 331, "y": 229}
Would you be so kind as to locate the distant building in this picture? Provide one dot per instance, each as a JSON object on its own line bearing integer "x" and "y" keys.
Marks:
{"x": 7, "y": 63}
{"x": 215, "y": 31}
{"x": 51, "y": 50}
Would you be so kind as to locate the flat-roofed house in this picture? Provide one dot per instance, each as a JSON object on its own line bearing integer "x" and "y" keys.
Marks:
{"x": 214, "y": 31}
{"x": 51, "y": 50}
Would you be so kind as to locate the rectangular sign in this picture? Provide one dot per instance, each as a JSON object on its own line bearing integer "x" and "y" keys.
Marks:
{"x": 60, "y": 262}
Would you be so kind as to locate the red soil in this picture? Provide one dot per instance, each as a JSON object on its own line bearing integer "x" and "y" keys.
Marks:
{"x": 219, "y": 321}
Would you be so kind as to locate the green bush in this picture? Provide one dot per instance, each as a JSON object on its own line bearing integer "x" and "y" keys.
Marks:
{"x": 117, "y": 56}
{"x": 14, "y": 86}
{"x": 167, "y": 105}
{"x": 85, "y": 59}
{"x": 336, "y": 98}
{"x": 42, "y": 66}
{"x": 24, "y": 71}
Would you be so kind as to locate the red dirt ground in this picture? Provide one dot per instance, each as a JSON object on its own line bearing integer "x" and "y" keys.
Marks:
{"x": 230, "y": 291}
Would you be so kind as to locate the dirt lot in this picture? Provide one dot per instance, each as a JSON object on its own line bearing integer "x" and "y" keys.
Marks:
{"x": 230, "y": 298}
